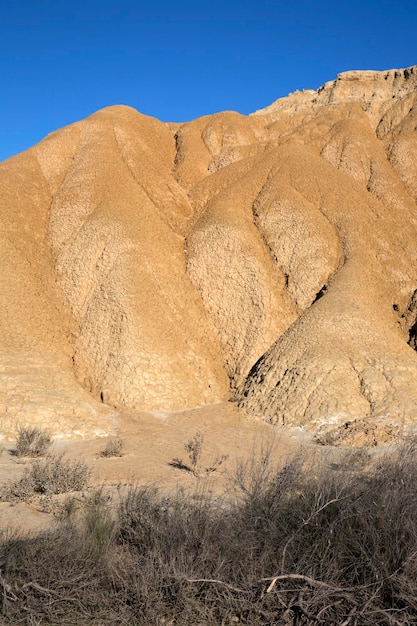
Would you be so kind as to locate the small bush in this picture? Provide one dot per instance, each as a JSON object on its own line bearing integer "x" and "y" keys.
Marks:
{"x": 51, "y": 476}
{"x": 194, "y": 449}
{"x": 32, "y": 441}
{"x": 114, "y": 448}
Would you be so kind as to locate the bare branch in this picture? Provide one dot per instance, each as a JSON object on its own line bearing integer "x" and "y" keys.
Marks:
{"x": 301, "y": 578}
{"x": 305, "y": 523}
{"x": 214, "y": 581}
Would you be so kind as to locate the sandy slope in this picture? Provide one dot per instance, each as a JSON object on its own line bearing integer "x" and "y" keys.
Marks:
{"x": 152, "y": 441}
{"x": 270, "y": 258}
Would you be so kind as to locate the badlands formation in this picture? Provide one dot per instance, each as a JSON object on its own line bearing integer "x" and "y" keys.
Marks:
{"x": 269, "y": 259}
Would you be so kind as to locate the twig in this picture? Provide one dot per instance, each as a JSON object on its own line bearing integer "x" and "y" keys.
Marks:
{"x": 7, "y": 590}
{"x": 306, "y": 523}
{"x": 346, "y": 622}
{"x": 301, "y": 578}
{"x": 387, "y": 615}
{"x": 214, "y": 581}
{"x": 297, "y": 609}
{"x": 37, "y": 587}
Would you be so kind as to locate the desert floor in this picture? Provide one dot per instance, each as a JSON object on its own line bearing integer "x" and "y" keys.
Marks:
{"x": 151, "y": 442}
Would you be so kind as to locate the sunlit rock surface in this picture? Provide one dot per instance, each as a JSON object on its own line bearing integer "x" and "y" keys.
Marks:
{"x": 271, "y": 259}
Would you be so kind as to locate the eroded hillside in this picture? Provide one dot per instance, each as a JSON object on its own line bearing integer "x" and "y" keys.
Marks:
{"x": 271, "y": 259}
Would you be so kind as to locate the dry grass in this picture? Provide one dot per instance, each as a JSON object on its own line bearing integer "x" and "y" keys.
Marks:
{"x": 309, "y": 544}
{"x": 113, "y": 448}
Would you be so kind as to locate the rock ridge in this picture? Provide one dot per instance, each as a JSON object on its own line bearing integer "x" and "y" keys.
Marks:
{"x": 373, "y": 89}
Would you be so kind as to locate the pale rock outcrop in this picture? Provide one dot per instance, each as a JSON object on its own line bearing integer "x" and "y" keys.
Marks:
{"x": 378, "y": 93}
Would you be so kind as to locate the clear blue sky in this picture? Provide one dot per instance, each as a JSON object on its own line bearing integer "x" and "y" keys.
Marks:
{"x": 61, "y": 60}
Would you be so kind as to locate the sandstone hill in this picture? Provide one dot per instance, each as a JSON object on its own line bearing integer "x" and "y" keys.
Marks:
{"x": 270, "y": 259}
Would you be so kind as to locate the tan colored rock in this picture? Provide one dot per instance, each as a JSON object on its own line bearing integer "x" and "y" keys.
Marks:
{"x": 345, "y": 356}
{"x": 272, "y": 258}
{"x": 377, "y": 93}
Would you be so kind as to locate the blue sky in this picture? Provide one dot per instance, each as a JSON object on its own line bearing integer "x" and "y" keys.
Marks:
{"x": 61, "y": 61}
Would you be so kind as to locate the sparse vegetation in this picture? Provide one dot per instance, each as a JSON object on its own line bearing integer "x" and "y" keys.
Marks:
{"x": 313, "y": 543}
{"x": 32, "y": 442}
{"x": 194, "y": 448}
{"x": 113, "y": 448}
{"x": 50, "y": 476}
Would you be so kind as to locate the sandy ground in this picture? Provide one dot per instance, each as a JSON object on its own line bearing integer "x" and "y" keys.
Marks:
{"x": 151, "y": 442}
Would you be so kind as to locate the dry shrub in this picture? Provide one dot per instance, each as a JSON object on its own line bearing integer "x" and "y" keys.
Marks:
{"x": 314, "y": 543}
{"x": 32, "y": 441}
{"x": 113, "y": 448}
{"x": 49, "y": 476}
{"x": 194, "y": 449}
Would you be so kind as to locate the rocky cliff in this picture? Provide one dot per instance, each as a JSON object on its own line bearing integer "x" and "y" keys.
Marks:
{"x": 271, "y": 259}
